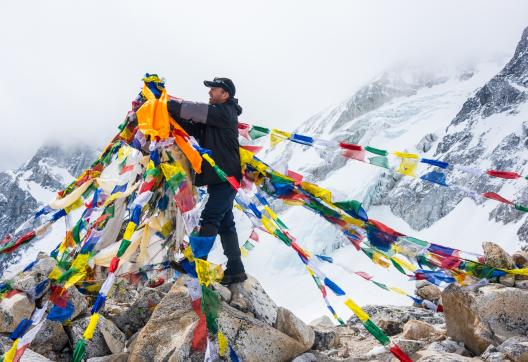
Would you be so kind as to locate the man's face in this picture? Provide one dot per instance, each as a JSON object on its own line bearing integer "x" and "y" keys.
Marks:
{"x": 217, "y": 95}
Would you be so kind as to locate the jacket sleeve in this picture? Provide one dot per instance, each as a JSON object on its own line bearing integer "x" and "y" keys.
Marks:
{"x": 210, "y": 115}
{"x": 174, "y": 108}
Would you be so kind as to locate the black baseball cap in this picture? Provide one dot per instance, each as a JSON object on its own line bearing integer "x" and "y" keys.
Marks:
{"x": 224, "y": 83}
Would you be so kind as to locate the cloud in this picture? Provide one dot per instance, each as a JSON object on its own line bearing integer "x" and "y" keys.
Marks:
{"x": 70, "y": 70}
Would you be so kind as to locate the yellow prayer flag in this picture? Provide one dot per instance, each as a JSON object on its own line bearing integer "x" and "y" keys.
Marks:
{"x": 268, "y": 225}
{"x": 398, "y": 290}
{"x": 77, "y": 277}
{"x": 317, "y": 191}
{"x": 187, "y": 252}
{"x": 80, "y": 261}
{"x": 129, "y": 231}
{"x": 405, "y": 264}
{"x": 360, "y": 313}
{"x": 170, "y": 170}
{"x": 406, "y": 155}
{"x": 243, "y": 251}
{"x": 88, "y": 333}
{"x": 275, "y": 140}
{"x": 245, "y": 156}
{"x": 207, "y": 273}
{"x": 209, "y": 159}
{"x": 280, "y": 133}
{"x": 10, "y": 355}
{"x": 55, "y": 273}
{"x": 377, "y": 258}
{"x": 75, "y": 205}
{"x": 222, "y": 344}
{"x": 518, "y": 271}
{"x": 408, "y": 167}
{"x": 270, "y": 212}
{"x": 123, "y": 152}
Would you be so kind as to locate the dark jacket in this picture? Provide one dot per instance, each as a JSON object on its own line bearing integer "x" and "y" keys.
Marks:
{"x": 216, "y": 128}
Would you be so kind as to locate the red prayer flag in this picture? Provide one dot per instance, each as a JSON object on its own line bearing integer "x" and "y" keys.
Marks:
{"x": 503, "y": 174}
{"x": 254, "y": 149}
{"x": 296, "y": 176}
{"x": 350, "y": 146}
{"x": 364, "y": 275}
{"x": 254, "y": 235}
{"x": 233, "y": 181}
{"x": 496, "y": 197}
{"x": 399, "y": 354}
{"x": 354, "y": 154}
{"x": 382, "y": 227}
{"x": 243, "y": 130}
{"x": 199, "y": 341}
{"x": 146, "y": 186}
{"x": 126, "y": 169}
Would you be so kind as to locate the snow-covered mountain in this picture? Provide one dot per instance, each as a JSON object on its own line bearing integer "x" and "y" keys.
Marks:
{"x": 475, "y": 116}
{"x": 25, "y": 189}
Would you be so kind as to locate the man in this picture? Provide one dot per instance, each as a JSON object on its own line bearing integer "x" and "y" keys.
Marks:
{"x": 215, "y": 126}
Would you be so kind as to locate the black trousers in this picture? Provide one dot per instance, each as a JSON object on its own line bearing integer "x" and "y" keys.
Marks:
{"x": 217, "y": 218}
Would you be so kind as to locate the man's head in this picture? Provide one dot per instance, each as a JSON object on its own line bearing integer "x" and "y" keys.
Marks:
{"x": 221, "y": 90}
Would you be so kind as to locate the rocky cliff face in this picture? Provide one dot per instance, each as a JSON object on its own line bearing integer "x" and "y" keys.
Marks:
{"x": 489, "y": 131}
{"x": 24, "y": 190}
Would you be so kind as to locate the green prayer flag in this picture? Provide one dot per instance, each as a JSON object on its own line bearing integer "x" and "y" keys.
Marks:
{"x": 380, "y": 161}
{"x": 376, "y": 332}
{"x": 376, "y": 151}
{"x": 381, "y": 285}
{"x": 210, "y": 306}
{"x": 79, "y": 351}
{"x": 220, "y": 173}
{"x": 398, "y": 266}
{"x": 257, "y": 132}
{"x": 66, "y": 275}
{"x": 283, "y": 237}
{"x": 123, "y": 247}
{"x": 248, "y": 245}
{"x": 521, "y": 208}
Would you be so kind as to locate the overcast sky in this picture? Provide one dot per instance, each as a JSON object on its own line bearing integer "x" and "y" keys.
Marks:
{"x": 71, "y": 68}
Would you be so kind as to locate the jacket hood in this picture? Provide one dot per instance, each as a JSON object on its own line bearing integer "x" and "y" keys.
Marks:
{"x": 237, "y": 106}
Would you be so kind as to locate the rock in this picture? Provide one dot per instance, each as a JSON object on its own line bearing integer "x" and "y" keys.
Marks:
{"x": 224, "y": 292}
{"x": 515, "y": 348}
{"x": 130, "y": 318}
{"x": 50, "y": 340}
{"x": 322, "y": 322}
{"x": 305, "y": 357}
{"x": 491, "y": 354}
{"x": 520, "y": 258}
{"x": 13, "y": 310}
{"x": 324, "y": 340}
{"x": 26, "y": 281}
{"x": 391, "y": 327}
{"x": 507, "y": 280}
{"x": 449, "y": 346}
{"x": 168, "y": 333}
{"x": 417, "y": 330}
{"x": 30, "y": 356}
{"x": 292, "y": 326}
{"x": 489, "y": 315}
{"x": 410, "y": 346}
{"x": 261, "y": 305}
{"x": 429, "y": 292}
{"x": 118, "y": 357}
{"x": 521, "y": 284}
{"x": 80, "y": 303}
{"x": 496, "y": 257}
{"x": 107, "y": 338}
{"x": 432, "y": 356}
{"x": 399, "y": 313}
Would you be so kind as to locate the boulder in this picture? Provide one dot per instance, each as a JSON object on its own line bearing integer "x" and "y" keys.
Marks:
{"x": 107, "y": 338}
{"x": 27, "y": 281}
{"x": 260, "y": 304}
{"x": 305, "y": 357}
{"x": 324, "y": 339}
{"x": 429, "y": 292}
{"x": 80, "y": 303}
{"x": 322, "y": 322}
{"x": 418, "y": 330}
{"x": 449, "y": 346}
{"x": 515, "y": 348}
{"x": 410, "y": 346}
{"x": 51, "y": 340}
{"x": 168, "y": 333}
{"x": 491, "y": 354}
{"x": 487, "y": 315}
{"x": 289, "y": 324}
{"x": 129, "y": 318}
{"x": 391, "y": 327}
{"x": 30, "y": 356}
{"x": 13, "y": 310}
{"x": 398, "y": 313}
{"x": 520, "y": 258}
{"x": 496, "y": 257}
{"x": 119, "y": 357}
{"x": 433, "y": 356}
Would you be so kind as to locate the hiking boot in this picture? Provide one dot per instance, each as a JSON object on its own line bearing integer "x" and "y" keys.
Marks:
{"x": 229, "y": 279}
{"x": 237, "y": 299}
